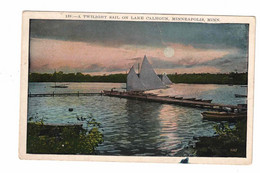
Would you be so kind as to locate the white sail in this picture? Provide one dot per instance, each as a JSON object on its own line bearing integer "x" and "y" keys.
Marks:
{"x": 149, "y": 77}
{"x": 133, "y": 82}
{"x": 166, "y": 80}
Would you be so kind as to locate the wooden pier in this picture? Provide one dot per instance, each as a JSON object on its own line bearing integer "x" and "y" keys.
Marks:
{"x": 197, "y": 103}
{"x": 188, "y": 102}
{"x": 53, "y": 94}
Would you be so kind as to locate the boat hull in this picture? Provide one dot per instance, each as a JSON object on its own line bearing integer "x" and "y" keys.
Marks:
{"x": 239, "y": 95}
{"x": 59, "y": 86}
{"x": 222, "y": 116}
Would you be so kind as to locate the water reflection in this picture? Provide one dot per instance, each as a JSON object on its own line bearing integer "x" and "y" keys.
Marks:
{"x": 217, "y": 93}
{"x": 137, "y": 132}
{"x": 133, "y": 127}
{"x": 73, "y": 87}
{"x": 168, "y": 118}
{"x": 184, "y": 90}
{"x": 144, "y": 127}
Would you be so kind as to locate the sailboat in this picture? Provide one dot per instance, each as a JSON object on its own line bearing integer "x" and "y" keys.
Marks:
{"x": 166, "y": 80}
{"x": 134, "y": 82}
{"x": 147, "y": 79}
{"x": 58, "y": 86}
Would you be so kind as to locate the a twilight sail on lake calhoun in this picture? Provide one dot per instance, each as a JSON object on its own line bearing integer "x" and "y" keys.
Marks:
{"x": 137, "y": 88}
{"x": 147, "y": 79}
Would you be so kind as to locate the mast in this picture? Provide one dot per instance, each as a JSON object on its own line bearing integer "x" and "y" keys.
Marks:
{"x": 55, "y": 77}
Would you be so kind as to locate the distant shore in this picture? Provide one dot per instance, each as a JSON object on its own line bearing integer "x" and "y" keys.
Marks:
{"x": 198, "y": 78}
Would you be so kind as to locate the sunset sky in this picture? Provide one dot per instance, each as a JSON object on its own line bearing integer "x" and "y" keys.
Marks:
{"x": 105, "y": 47}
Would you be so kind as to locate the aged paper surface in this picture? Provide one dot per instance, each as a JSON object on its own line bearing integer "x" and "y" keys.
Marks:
{"x": 80, "y": 43}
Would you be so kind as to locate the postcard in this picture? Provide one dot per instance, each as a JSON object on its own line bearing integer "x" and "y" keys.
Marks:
{"x": 137, "y": 87}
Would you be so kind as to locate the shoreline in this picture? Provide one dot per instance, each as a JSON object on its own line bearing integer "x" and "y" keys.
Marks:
{"x": 196, "y": 78}
{"x": 125, "y": 83}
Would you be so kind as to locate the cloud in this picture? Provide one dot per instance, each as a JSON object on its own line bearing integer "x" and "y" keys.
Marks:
{"x": 93, "y": 68}
{"x": 136, "y": 59}
{"x": 153, "y": 34}
{"x": 231, "y": 62}
{"x": 202, "y": 69}
{"x": 71, "y": 56}
{"x": 109, "y": 46}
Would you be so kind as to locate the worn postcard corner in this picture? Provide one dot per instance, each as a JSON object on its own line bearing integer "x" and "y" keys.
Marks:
{"x": 137, "y": 87}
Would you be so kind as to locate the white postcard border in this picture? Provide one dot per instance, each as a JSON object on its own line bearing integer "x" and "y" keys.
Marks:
{"x": 27, "y": 15}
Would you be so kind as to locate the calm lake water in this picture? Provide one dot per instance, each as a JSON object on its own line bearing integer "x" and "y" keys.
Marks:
{"x": 133, "y": 127}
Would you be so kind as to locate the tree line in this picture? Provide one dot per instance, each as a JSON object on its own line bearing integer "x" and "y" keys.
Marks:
{"x": 201, "y": 78}
{"x": 76, "y": 77}
{"x": 208, "y": 78}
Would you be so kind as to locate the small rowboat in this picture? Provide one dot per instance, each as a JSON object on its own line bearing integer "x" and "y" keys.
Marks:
{"x": 223, "y": 115}
{"x": 151, "y": 94}
{"x": 239, "y": 95}
{"x": 165, "y": 96}
{"x": 199, "y": 100}
{"x": 59, "y": 86}
{"x": 192, "y": 99}
{"x": 179, "y": 98}
{"x": 207, "y": 101}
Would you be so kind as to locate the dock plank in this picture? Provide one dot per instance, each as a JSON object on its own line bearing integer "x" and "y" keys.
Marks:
{"x": 63, "y": 94}
{"x": 173, "y": 100}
